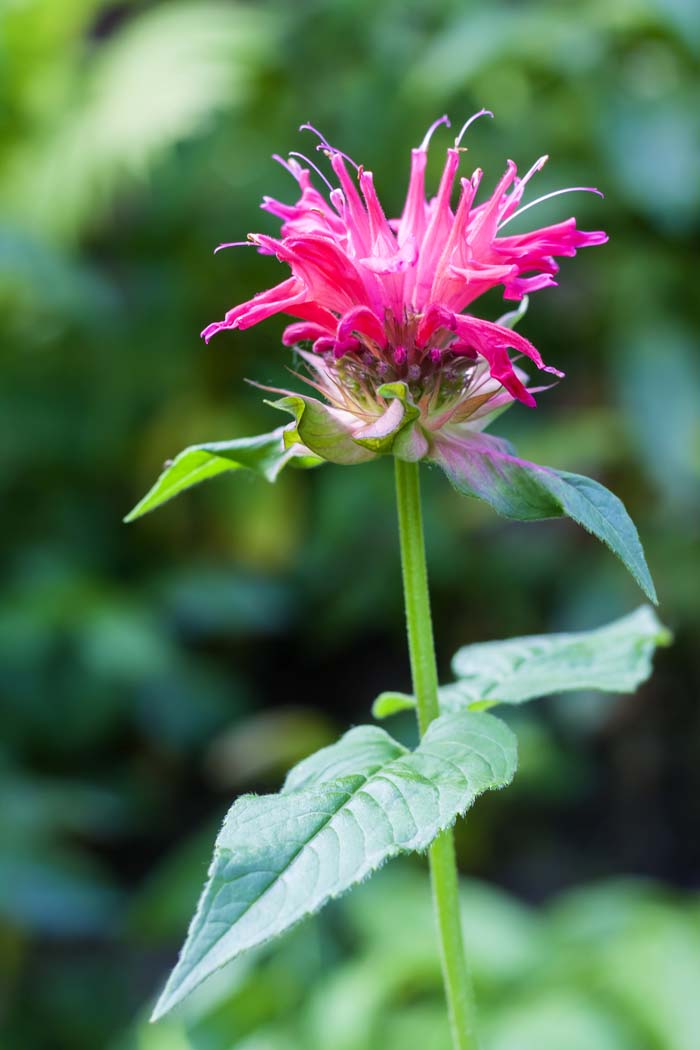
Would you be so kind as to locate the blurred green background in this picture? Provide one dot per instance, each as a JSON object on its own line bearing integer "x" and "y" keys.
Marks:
{"x": 149, "y": 674}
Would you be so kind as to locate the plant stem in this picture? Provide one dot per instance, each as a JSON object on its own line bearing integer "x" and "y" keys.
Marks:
{"x": 443, "y": 866}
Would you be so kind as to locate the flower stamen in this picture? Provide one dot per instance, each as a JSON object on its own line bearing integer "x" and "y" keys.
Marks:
{"x": 468, "y": 123}
{"x": 444, "y": 119}
{"x": 548, "y": 196}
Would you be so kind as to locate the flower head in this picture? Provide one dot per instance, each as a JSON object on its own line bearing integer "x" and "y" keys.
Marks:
{"x": 383, "y": 307}
{"x": 380, "y": 304}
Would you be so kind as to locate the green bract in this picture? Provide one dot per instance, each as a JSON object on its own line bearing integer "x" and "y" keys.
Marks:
{"x": 613, "y": 659}
{"x": 341, "y": 814}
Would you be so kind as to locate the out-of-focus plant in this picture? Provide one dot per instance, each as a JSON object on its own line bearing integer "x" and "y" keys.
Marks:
{"x": 611, "y": 966}
{"x": 405, "y": 369}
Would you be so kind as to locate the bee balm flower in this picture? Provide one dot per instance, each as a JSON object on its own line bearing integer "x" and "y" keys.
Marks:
{"x": 382, "y": 303}
{"x": 383, "y": 325}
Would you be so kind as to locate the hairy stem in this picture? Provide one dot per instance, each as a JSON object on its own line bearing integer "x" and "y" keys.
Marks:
{"x": 443, "y": 867}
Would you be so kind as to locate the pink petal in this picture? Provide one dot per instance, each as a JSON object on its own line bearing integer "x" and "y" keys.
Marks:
{"x": 436, "y": 234}
{"x": 361, "y": 319}
{"x": 275, "y": 300}
{"x": 414, "y": 217}
{"x": 493, "y": 341}
{"x": 301, "y": 331}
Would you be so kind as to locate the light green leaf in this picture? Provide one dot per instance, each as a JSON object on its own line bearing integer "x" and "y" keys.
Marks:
{"x": 613, "y": 659}
{"x": 340, "y": 815}
{"x": 392, "y": 703}
{"x": 485, "y": 467}
{"x": 265, "y": 455}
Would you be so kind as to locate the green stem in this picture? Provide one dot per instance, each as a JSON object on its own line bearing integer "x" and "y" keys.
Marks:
{"x": 443, "y": 866}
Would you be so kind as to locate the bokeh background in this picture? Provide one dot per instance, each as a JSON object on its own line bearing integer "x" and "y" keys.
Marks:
{"x": 150, "y": 673}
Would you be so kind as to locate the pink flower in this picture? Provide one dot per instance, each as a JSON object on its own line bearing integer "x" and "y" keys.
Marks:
{"x": 401, "y": 366}
{"x": 383, "y": 301}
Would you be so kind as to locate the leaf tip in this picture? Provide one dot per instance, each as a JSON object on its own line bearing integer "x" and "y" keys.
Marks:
{"x": 173, "y": 993}
{"x": 162, "y": 1007}
{"x": 390, "y": 703}
{"x": 647, "y": 585}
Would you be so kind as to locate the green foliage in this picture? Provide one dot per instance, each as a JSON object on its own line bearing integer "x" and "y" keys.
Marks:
{"x": 595, "y": 968}
{"x": 613, "y": 659}
{"x": 486, "y": 468}
{"x": 128, "y": 655}
{"x": 154, "y": 83}
{"x": 341, "y": 814}
{"x": 265, "y": 455}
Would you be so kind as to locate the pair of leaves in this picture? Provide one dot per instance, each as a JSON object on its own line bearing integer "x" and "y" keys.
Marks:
{"x": 317, "y": 436}
{"x": 615, "y": 659}
{"x": 340, "y": 815}
{"x": 353, "y": 805}
{"x": 477, "y": 465}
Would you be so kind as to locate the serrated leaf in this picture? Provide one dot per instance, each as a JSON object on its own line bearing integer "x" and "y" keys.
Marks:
{"x": 340, "y": 815}
{"x": 612, "y": 659}
{"x": 265, "y": 455}
{"x": 485, "y": 467}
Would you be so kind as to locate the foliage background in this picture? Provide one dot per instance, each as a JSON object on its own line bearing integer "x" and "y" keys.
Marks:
{"x": 151, "y": 673}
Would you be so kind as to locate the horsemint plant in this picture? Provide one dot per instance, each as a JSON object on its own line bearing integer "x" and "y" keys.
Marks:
{"x": 381, "y": 333}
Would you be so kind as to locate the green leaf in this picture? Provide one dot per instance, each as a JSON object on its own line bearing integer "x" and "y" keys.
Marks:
{"x": 392, "y": 703}
{"x": 341, "y": 814}
{"x": 265, "y": 455}
{"x": 485, "y": 467}
{"x": 613, "y": 659}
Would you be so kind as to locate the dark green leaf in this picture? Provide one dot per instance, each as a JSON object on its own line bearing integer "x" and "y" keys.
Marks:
{"x": 485, "y": 467}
